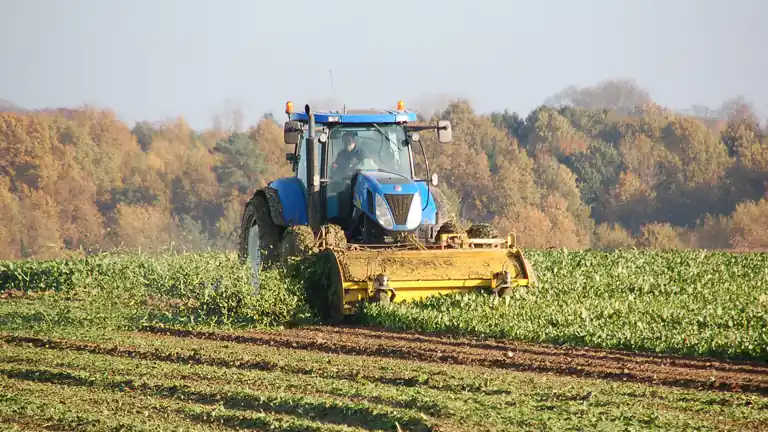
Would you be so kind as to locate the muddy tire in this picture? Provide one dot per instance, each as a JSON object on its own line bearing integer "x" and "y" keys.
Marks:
{"x": 259, "y": 237}
{"x": 334, "y": 237}
{"x": 483, "y": 231}
{"x": 444, "y": 210}
{"x": 298, "y": 241}
{"x": 449, "y": 227}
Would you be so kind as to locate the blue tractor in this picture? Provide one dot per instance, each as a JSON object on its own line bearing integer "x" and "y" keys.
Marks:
{"x": 355, "y": 177}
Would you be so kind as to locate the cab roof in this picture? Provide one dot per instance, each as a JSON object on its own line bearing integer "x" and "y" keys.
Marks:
{"x": 357, "y": 116}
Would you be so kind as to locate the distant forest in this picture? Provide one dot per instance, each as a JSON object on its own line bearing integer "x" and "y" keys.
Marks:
{"x": 598, "y": 167}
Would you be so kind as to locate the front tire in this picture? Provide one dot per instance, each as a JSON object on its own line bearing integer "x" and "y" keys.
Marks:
{"x": 484, "y": 231}
{"x": 259, "y": 237}
{"x": 444, "y": 211}
{"x": 298, "y": 242}
{"x": 449, "y": 227}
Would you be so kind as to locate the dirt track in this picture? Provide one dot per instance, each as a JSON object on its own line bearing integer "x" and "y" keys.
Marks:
{"x": 673, "y": 371}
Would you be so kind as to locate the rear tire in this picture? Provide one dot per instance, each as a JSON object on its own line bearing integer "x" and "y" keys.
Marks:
{"x": 259, "y": 237}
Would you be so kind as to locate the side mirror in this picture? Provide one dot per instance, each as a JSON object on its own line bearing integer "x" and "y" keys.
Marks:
{"x": 290, "y": 153}
{"x": 444, "y": 132}
{"x": 291, "y": 132}
{"x": 434, "y": 179}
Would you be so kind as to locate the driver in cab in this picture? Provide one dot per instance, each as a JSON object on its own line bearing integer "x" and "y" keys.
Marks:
{"x": 350, "y": 156}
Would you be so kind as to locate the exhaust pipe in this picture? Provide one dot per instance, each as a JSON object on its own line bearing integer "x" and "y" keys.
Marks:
{"x": 313, "y": 178}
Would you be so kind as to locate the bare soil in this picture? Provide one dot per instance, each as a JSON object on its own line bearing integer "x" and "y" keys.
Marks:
{"x": 665, "y": 370}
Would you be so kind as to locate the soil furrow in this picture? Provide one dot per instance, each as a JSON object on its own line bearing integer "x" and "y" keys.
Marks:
{"x": 704, "y": 363}
{"x": 612, "y": 365}
{"x": 174, "y": 356}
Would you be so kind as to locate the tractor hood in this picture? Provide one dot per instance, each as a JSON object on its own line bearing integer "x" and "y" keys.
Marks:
{"x": 392, "y": 200}
{"x": 384, "y": 182}
{"x": 388, "y": 178}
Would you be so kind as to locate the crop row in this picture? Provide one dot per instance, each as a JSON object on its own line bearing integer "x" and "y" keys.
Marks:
{"x": 687, "y": 302}
{"x": 127, "y": 291}
{"x": 303, "y": 390}
{"x": 691, "y": 302}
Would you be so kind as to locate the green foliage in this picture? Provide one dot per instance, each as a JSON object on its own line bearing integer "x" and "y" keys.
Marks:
{"x": 242, "y": 162}
{"x": 512, "y": 123}
{"x": 692, "y": 302}
{"x": 127, "y": 291}
{"x": 597, "y": 170}
{"x": 143, "y": 133}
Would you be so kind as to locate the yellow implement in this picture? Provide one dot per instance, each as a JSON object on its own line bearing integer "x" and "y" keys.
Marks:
{"x": 457, "y": 264}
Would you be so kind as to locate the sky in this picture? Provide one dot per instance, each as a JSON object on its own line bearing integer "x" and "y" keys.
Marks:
{"x": 158, "y": 59}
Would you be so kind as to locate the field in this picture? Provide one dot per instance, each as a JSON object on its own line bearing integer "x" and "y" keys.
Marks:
{"x": 632, "y": 340}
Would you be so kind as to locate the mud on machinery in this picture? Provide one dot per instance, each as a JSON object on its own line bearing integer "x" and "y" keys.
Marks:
{"x": 388, "y": 237}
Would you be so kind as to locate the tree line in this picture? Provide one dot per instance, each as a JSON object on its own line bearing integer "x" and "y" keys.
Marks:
{"x": 598, "y": 167}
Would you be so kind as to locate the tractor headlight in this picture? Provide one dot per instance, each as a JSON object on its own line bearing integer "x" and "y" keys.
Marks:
{"x": 383, "y": 215}
{"x": 414, "y": 214}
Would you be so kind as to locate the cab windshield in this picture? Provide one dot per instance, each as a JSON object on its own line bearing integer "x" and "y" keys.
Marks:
{"x": 382, "y": 147}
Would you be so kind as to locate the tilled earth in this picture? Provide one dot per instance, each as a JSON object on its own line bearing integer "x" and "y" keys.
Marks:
{"x": 360, "y": 379}
{"x": 667, "y": 370}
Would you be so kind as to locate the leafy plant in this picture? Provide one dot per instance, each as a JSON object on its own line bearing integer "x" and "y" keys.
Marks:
{"x": 688, "y": 302}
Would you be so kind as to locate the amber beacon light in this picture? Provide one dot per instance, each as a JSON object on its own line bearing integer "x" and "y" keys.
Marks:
{"x": 400, "y": 105}
{"x": 288, "y": 107}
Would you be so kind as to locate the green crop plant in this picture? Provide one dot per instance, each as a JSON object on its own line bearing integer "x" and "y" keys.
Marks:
{"x": 127, "y": 291}
{"x": 686, "y": 302}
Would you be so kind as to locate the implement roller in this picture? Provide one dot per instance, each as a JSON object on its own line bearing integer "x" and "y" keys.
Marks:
{"x": 387, "y": 235}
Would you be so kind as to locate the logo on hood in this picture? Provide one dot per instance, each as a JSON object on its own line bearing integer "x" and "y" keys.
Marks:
{"x": 398, "y": 188}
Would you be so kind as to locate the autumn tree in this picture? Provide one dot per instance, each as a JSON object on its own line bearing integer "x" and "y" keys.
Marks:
{"x": 600, "y": 166}
{"x": 546, "y": 131}
{"x": 610, "y": 237}
{"x": 596, "y": 170}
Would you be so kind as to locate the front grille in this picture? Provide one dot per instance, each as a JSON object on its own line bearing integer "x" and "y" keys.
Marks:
{"x": 399, "y": 204}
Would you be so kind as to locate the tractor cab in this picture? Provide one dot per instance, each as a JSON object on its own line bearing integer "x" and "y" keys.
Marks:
{"x": 360, "y": 154}
{"x": 371, "y": 147}
{"x": 365, "y": 148}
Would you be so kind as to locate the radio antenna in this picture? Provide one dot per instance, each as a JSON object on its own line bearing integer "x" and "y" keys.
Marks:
{"x": 333, "y": 88}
